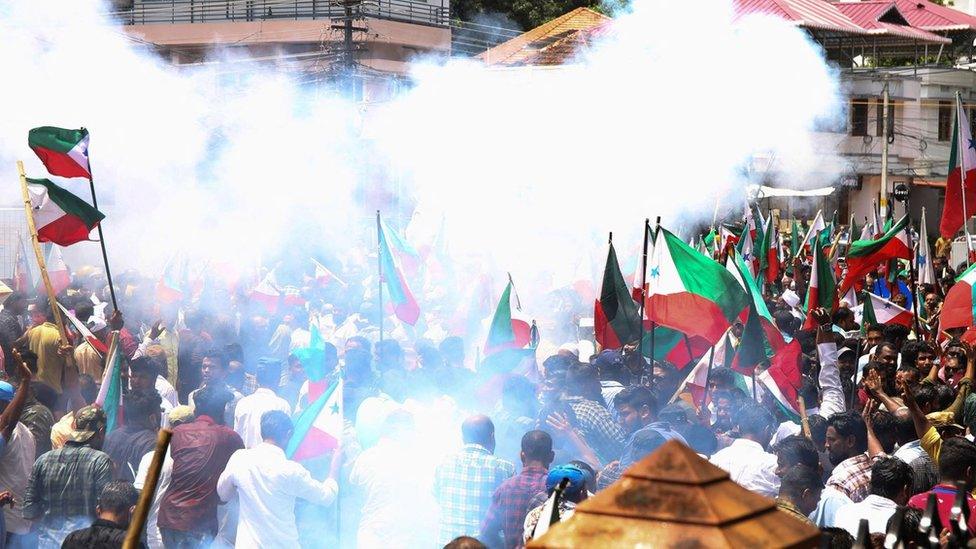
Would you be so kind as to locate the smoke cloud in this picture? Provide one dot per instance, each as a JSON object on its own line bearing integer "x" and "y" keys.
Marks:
{"x": 521, "y": 170}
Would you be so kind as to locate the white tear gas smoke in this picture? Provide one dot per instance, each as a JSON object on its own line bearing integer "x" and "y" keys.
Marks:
{"x": 526, "y": 169}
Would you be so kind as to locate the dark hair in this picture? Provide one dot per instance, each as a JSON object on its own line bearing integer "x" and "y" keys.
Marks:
{"x": 889, "y": 476}
{"x": 849, "y": 424}
{"x": 217, "y": 356}
{"x": 799, "y": 478}
{"x": 579, "y": 377}
{"x": 875, "y": 328}
{"x": 910, "y": 519}
{"x": 211, "y": 401}
{"x": 904, "y": 427}
{"x": 611, "y": 365}
{"x": 786, "y": 322}
{"x": 842, "y": 313}
{"x": 818, "y": 429}
{"x": 140, "y": 404}
{"x": 722, "y": 376}
{"x": 885, "y": 428}
{"x": 944, "y": 395}
{"x": 44, "y": 394}
{"x": 753, "y": 419}
{"x": 537, "y": 445}
{"x": 886, "y": 345}
{"x": 636, "y": 396}
{"x": 957, "y": 455}
{"x": 83, "y": 311}
{"x": 910, "y": 351}
{"x": 798, "y": 450}
{"x": 276, "y": 425}
{"x": 268, "y": 372}
{"x": 895, "y": 334}
{"x": 88, "y": 388}
{"x": 143, "y": 365}
{"x": 835, "y": 538}
{"x": 924, "y": 394}
{"x": 118, "y": 496}
{"x": 701, "y": 439}
{"x": 478, "y": 431}
{"x": 465, "y": 542}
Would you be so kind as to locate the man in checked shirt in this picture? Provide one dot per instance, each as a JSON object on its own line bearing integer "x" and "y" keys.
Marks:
{"x": 465, "y": 482}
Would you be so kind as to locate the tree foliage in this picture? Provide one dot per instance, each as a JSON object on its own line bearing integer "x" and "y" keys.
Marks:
{"x": 526, "y": 14}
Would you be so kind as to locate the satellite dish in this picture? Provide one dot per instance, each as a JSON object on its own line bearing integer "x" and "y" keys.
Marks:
{"x": 868, "y": 139}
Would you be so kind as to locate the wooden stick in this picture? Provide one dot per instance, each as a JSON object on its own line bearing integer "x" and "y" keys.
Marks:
{"x": 28, "y": 210}
{"x": 134, "y": 533}
{"x": 804, "y": 421}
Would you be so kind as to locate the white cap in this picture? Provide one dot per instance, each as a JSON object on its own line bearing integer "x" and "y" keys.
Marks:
{"x": 791, "y": 299}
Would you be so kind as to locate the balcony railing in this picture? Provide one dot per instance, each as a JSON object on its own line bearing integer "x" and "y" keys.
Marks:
{"x": 434, "y": 13}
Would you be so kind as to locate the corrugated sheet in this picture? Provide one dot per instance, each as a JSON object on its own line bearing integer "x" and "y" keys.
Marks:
{"x": 813, "y": 14}
{"x": 933, "y": 17}
{"x": 869, "y": 14}
{"x": 524, "y": 46}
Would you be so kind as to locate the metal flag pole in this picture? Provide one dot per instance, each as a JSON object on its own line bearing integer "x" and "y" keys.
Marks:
{"x": 101, "y": 237}
{"x": 961, "y": 151}
{"x": 379, "y": 269}
{"x": 643, "y": 294}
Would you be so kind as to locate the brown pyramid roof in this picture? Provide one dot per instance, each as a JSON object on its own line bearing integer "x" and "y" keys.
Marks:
{"x": 674, "y": 498}
{"x": 562, "y": 29}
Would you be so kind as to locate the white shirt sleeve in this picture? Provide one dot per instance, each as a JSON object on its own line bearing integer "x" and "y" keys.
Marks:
{"x": 226, "y": 488}
{"x": 831, "y": 392}
{"x": 306, "y": 487}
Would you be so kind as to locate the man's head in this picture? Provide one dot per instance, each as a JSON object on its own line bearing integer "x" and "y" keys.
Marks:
{"x": 907, "y": 374}
{"x": 846, "y": 436}
{"x": 755, "y": 423}
{"x": 891, "y": 478}
{"x": 16, "y": 303}
{"x": 142, "y": 408}
{"x": 802, "y": 486}
{"x": 723, "y": 401}
{"x": 537, "y": 449}
{"x": 117, "y": 502}
{"x": 268, "y": 373}
{"x": 844, "y": 318}
{"x": 211, "y": 401}
{"x": 89, "y": 427}
{"x": 479, "y": 430}
{"x": 611, "y": 365}
{"x": 896, "y": 334}
{"x": 931, "y": 302}
{"x": 886, "y": 429}
{"x": 904, "y": 426}
{"x": 276, "y": 428}
{"x": 214, "y": 367}
{"x": 636, "y": 407}
{"x": 722, "y": 379}
{"x": 887, "y": 354}
{"x": 142, "y": 374}
{"x": 576, "y": 487}
{"x": 957, "y": 461}
{"x": 582, "y": 380}
{"x": 874, "y": 335}
{"x": 796, "y": 450}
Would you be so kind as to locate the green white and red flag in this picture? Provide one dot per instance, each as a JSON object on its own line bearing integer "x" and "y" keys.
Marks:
{"x": 324, "y": 277}
{"x": 404, "y": 304}
{"x": 962, "y": 155}
{"x": 616, "y": 321}
{"x": 760, "y": 337}
{"x": 696, "y": 383}
{"x": 267, "y": 293}
{"x": 509, "y": 329}
{"x": 170, "y": 288}
{"x": 769, "y": 258}
{"x": 959, "y": 307}
{"x": 783, "y": 379}
{"x": 57, "y": 272}
{"x": 110, "y": 392}
{"x": 865, "y": 255}
{"x": 59, "y": 216}
{"x": 318, "y": 429}
{"x": 814, "y": 231}
{"x": 923, "y": 257}
{"x": 878, "y": 310}
{"x": 84, "y": 332}
{"x": 747, "y": 251}
{"x": 690, "y": 293}
{"x": 822, "y": 290}
{"x": 64, "y": 152}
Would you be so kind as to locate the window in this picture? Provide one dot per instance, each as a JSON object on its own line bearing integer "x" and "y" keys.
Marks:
{"x": 879, "y": 123}
{"x": 945, "y": 120}
{"x": 859, "y": 117}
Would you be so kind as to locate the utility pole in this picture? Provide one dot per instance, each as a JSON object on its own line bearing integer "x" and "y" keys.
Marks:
{"x": 352, "y": 11}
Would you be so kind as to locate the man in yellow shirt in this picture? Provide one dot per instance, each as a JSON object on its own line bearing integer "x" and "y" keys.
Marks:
{"x": 44, "y": 340}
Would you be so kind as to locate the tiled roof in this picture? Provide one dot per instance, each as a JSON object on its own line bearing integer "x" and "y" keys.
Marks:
{"x": 883, "y": 18}
{"x": 811, "y": 14}
{"x": 561, "y": 30}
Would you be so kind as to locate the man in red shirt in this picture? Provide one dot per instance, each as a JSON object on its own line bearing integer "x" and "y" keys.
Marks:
{"x": 957, "y": 463}
{"x": 510, "y": 503}
{"x": 200, "y": 451}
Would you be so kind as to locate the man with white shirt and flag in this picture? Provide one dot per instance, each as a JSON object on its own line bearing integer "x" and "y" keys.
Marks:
{"x": 266, "y": 484}
{"x": 250, "y": 409}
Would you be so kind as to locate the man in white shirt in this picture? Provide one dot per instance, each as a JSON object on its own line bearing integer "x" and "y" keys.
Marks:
{"x": 267, "y": 484}
{"x": 250, "y": 409}
{"x": 746, "y": 459}
{"x": 891, "y": 484}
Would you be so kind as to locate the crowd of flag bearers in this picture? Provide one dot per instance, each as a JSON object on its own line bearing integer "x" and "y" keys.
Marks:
{"x": 823, "y": 365}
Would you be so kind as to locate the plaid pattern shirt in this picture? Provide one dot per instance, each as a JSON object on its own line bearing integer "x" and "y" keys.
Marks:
{"x": 852, "y": 477}
{"x": 464, "y": 485}
{"x": 510, "y": 504}
{"x": 65, "y": 483}
{"x": 597, "y": 428}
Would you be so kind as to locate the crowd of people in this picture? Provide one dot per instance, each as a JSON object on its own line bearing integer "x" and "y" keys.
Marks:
{"x": 439, "y": 449}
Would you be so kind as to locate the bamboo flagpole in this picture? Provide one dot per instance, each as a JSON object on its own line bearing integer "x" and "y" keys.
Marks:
{"x": 29, "y": 212}
{"x": 141, "y": 513}
{"x": 643, "y": 295}
{"x": 379, "y": 269}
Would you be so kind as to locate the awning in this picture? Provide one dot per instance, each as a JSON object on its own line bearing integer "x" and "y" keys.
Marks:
{"x": 938, "y": 183}
{"x": 767, "y": 192}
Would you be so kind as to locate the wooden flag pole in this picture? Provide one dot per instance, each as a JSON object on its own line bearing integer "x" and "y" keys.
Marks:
{"x": 28, "y": 211}
{"x": 379, "y": 269}
{"x": 141, "y": 513}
